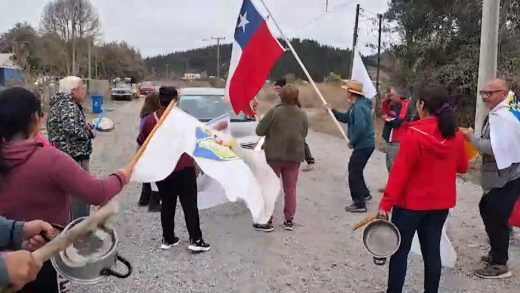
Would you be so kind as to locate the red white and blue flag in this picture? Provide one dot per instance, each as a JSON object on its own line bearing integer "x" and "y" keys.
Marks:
{"x": 255, "y": 52}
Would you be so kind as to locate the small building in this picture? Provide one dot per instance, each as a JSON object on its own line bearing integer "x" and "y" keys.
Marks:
{"x": 11, "y": 73}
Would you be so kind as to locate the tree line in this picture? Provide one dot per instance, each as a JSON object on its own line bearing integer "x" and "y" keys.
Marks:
{"x": 440, "y": 42}
{"x": 321, "y": 60}
{"x": 68, "y": 31}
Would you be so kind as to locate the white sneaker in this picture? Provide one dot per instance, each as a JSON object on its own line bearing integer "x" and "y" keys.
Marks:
{"x": 167, "y": 246}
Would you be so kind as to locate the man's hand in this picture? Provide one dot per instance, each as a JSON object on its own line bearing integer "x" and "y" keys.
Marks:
{"x": 327, "y": 107}
{"x": 254, "y": 105}
{"x": 467, "y": 132}
{"x": 350, "y": 146}
{"x": 21, "y": 268}
{"x": 32, "y": 231}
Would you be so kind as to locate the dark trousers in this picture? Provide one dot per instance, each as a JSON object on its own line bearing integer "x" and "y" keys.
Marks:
{"x": 356, "y": 179}
{"x": 495, "y": 209}
{"x": 181, "y": 184}
{"x": 47, "y": 281}
{"x": 428, "y": 225}
{"x": 308, "y": 156}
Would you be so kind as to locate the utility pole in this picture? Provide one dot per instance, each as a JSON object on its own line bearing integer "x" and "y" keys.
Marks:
{"x": 356, "y": 25}
{"x": 89, "y": 59}
{"x": 488, "y": 55}
{"x": 187, "y": 65}
{"x": 167, "y": 71}
{"x": 218, "y": 53}
{"x": 380, "y": 16}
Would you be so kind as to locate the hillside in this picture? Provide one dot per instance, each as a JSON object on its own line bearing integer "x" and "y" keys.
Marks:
{"x": 319, "y": 59}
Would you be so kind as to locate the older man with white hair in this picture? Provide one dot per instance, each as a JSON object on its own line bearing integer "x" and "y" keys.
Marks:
{"x": 69, "y": 131}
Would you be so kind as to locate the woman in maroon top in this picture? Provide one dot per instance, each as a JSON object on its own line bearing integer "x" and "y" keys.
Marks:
{"x": 181, "y": 183}
{"x": 36, "y": 182}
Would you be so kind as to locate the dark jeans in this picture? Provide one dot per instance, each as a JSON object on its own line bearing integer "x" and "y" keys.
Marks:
{"x": 182, "y": 184}
{"x": 308, "y": 156}
{"x": 495, "y": 209}
{"x": 356, "y": 179}
{"x": 47, "y": 281}
{"x": 428, "y": 225}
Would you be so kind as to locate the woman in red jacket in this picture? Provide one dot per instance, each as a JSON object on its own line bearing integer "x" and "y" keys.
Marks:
{"x": 422, "y": 185}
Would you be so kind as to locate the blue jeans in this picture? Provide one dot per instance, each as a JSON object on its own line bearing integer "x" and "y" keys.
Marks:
{"x": 356, "y": 179}
{"x": 428, "y": 225}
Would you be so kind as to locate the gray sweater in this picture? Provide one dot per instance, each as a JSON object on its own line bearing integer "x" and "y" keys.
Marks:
{"x": 11, "y": 237}
{"x": 285, "y": 129}
{"x": 492, "y": 177}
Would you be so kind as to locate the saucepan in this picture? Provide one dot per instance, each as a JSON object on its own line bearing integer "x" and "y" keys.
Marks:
{"x": 382, "y": 239}
{"x": 91, "y": 258}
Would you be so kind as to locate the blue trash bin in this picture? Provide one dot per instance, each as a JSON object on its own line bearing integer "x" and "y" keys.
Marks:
{"x": 97, "y": 104}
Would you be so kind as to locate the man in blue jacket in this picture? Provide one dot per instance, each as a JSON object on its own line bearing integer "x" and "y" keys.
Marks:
{"x": 18, "y": 268}
{"x": 361, "y": 139}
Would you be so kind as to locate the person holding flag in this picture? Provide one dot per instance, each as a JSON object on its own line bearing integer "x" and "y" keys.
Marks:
{"x": 361, "y": 140}
{"x": 181, "y": 183}
{"x": 499, "y": 144}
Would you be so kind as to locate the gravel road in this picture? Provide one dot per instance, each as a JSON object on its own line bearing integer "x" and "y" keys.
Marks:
{"x": 322, "y": 254}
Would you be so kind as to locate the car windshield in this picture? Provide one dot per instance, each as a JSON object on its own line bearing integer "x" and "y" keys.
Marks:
{"x": 208, "y": 107}
{"x": 123, "y": 85}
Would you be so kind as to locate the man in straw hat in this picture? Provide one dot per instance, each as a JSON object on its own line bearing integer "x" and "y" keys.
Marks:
{"x": 361, "y": 139}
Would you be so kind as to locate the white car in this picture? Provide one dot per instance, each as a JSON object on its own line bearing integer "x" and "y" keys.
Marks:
{"x": 207, "y": 104}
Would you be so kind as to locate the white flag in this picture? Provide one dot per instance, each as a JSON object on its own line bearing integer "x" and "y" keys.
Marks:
{"x": 181, "y": 133}
{"x": 360, "y": 73}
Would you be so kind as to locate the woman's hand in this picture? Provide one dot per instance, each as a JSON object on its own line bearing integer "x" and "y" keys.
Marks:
{"x": 383, "y": 214}
{"x": 467, "y": 132}
{"x": 127, "y": 172}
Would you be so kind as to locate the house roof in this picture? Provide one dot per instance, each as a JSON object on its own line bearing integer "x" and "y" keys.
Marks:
{"x": 7, "y": 61}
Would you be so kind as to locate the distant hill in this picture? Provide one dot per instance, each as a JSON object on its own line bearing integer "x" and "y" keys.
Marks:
{"x": 319, "y": 59}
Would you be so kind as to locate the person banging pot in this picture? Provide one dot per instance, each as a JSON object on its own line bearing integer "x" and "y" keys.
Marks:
{"x": 422, "y": 185}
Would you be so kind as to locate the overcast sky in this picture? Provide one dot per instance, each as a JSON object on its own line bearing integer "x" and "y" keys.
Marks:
{"x": 164, "y": 26}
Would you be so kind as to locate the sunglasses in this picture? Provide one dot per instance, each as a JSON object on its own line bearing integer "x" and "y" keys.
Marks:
{"x": 489, "y": 93}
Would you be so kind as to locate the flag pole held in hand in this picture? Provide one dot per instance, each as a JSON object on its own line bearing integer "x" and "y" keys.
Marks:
{"x": 315, "y": 87}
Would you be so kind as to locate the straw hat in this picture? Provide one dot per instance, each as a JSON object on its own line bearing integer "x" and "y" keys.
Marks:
{"x": 354, "y": 87}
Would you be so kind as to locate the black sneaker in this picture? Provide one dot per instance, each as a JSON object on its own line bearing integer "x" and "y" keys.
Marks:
{"x": 494, "y": 272}
{"x": 199, "y": 246}
{"x": 355, "y": 209}
{"x": 368, "y": 197}
{"x": 167, "y": 245}
{"x": 264, "y": 227}
{"x": 288, "y": 225}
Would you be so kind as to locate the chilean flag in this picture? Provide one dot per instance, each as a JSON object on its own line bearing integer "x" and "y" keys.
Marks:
{"x": 255, "y": 52}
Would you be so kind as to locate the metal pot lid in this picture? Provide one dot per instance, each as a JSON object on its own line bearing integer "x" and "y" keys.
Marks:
{"x": 381, "y": 238}
{"x": 90, "y": 248}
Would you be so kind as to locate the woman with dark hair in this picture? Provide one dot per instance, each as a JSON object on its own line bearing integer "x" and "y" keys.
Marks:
{"x": 149, "y": 198}
{"x": 422, "y": 185}
{"x": 36, "y": 182}
{"x": 285, "y": 128}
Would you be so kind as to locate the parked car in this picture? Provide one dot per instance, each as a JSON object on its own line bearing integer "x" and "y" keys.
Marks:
{"x": 146, "y": 88}
{"x": 122, "y": 91}
{"x": 207, "y": 104}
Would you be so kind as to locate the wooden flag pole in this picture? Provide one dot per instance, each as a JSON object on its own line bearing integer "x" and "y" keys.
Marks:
{"x": 291, "y": 48}
{"x": 141, "y": 150}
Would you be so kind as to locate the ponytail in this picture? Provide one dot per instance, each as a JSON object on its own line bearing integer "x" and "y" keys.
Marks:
{"x": 447, "y": 121}
{"x": 436, "y": 102}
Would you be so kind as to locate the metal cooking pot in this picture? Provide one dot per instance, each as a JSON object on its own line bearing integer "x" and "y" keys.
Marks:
{"x": 382, "y": 239}
{"x": 90, "y": 259}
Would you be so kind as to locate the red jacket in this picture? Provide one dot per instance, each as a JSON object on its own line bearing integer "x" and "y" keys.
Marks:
{"x": 394, "y": 124}
{"x": 148, "y": 124}
{"x": 425, "y": 172}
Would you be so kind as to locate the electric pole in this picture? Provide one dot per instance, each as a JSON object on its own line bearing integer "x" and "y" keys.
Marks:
{"x": 380, "y": 16}
{"x": 218, "y": 39}
{"x": 167, "y": 71}
{"x": 356, "y": 25}
{"x": 89, "y": 59}
{"x": 488, "y": 55}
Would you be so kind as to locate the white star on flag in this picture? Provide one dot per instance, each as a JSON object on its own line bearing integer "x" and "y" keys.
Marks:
{"x": 243, "y": 22}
